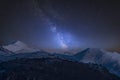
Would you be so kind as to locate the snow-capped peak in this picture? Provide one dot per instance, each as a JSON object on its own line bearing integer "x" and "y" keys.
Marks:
{"x": 20, "y": 47}
{"x": 110, "y": 60}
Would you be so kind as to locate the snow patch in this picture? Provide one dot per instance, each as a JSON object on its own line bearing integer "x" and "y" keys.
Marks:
{"x": 20, "y": 47}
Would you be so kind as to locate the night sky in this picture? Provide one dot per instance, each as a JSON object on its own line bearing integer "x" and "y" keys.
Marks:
{"x": 61, "y": 24}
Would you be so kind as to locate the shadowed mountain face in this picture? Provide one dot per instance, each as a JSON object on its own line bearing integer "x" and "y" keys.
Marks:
{"x": 52, "y": 69}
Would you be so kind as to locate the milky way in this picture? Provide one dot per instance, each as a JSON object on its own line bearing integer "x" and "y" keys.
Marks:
{"x": 61, "y": 24}
{"x": 62, "y": 39}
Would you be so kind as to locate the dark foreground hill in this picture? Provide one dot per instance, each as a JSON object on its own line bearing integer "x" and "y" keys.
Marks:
{"x": 52, "y": 69}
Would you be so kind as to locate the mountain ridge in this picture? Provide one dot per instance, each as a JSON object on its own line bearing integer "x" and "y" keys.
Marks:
{"x": 102, "y": 57}
{"x": 52, "y": 69}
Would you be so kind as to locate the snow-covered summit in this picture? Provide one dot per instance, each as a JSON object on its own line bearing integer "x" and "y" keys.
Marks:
{"x": 20, "y": 47}
{"x": 110, "y": 60}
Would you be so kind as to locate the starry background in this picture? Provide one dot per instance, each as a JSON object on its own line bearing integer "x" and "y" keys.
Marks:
{"x": 90, "y": 23}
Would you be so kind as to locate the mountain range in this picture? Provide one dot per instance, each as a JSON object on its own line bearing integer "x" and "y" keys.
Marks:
{"x": 19, "y": 50}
